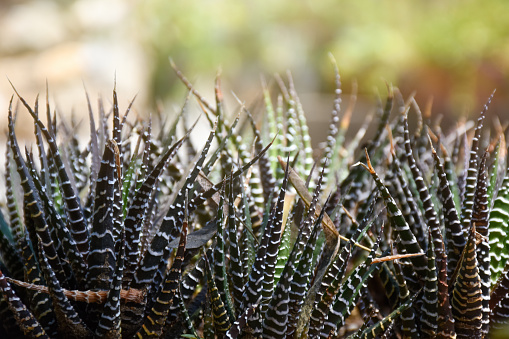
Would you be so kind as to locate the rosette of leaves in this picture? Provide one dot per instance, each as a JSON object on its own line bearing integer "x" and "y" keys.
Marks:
{"x": 405, "y": 237}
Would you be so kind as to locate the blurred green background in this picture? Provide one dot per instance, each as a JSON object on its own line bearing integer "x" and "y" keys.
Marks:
{"x": 454, "y": 51}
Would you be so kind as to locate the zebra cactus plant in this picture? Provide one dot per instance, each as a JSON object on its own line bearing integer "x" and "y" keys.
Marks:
{"x": 399, "y": 231}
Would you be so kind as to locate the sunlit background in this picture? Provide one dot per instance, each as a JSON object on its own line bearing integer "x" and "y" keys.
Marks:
{"x": 455, "y": 52}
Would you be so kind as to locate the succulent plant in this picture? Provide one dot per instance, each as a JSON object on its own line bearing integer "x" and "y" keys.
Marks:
{"x": 404, "y": 237}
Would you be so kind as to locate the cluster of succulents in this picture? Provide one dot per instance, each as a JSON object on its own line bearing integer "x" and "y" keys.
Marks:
{"x": 142, "y": 233}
